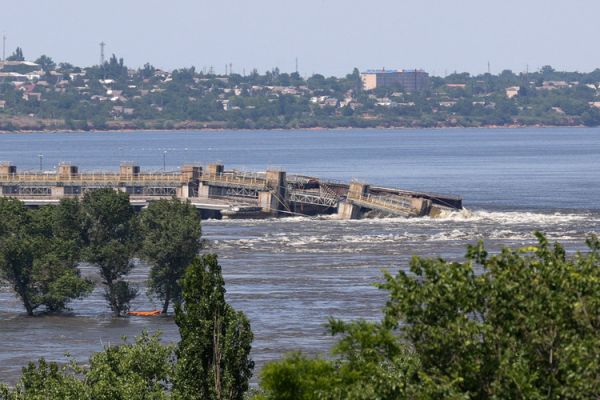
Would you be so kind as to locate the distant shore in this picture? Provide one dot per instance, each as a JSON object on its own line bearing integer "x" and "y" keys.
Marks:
{"x": 321, "y": 128}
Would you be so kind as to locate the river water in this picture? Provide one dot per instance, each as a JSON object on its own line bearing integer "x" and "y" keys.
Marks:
{"x": 290, "y": 274}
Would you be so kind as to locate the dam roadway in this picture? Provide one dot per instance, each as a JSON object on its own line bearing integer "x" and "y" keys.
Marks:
{"x": 220, "y": 193}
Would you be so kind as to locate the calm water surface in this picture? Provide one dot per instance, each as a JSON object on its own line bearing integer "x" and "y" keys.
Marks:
{"x": 290, "y": 274}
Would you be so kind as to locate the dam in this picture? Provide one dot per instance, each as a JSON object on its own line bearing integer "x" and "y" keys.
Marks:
{"x": 220, "y": 193}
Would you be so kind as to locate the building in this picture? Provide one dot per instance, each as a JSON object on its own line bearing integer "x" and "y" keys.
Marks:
{"x": 512, "y": 91}
{"x": 414, "y": 80}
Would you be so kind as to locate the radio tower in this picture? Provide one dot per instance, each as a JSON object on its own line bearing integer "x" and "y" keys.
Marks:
{"x": 102, "y": 44}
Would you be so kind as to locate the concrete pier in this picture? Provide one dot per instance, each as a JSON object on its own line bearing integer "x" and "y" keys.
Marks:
{"x": 220, "y": 193}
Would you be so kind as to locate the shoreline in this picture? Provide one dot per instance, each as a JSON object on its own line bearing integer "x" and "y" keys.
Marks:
{"x": 316, "y": 129}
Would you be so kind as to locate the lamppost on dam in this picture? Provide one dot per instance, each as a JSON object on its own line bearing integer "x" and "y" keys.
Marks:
{"x": 164, "y": 160}
{"x": 41, "y": 157}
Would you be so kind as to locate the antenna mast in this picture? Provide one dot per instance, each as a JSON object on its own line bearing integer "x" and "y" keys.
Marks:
{"x": 102, "y": 44}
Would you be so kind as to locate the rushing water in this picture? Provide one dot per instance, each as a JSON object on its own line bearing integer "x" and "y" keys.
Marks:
{"x": 290, "y": 274}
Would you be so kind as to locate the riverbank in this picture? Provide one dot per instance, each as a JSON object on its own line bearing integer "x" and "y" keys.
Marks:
{"x": 32, "y": 125}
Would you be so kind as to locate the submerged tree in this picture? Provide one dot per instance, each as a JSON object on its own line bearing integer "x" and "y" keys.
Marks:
{"x": 213, "y": 354}
{"x": 171, "y": 240}
{"x": 39, "y": 252}
{"x": 212, "y": 357}
{"x": 110, "y": 238}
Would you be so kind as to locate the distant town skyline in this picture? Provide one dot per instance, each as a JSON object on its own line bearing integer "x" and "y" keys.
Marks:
{"x": 325, "y": 36}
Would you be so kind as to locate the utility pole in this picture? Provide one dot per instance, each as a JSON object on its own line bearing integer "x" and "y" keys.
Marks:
{"x": 164, "y": 161}
{"x": 102, "y": 44}
{"x": 3, "y": 47}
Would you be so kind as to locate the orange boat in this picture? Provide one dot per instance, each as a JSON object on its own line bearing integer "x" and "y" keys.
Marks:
{"x": 152, "y": 313}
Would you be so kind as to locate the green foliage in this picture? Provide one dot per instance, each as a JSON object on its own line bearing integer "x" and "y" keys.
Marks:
{"x": 17, "y": 55}
{"x": 212, "y": 357}
{"x": 46, "y": 381}
{"x": 194, "y": 99}
{"x": 46, "y": 63}
{"x": 39, "y": 251}
{"x": 171, "y": 239}
{"x": 111, "y": 243}
{"x": 523, "y": 323}
{"x": 297, "y": 377}
{"x": 142, "y": 370}
{"x": 138, "y": 371}
{"x": 213, "y": 354}
{"x": 526, "y": 327}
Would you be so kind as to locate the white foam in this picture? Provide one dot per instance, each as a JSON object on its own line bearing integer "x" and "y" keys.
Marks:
{"x": 516, "y": 217}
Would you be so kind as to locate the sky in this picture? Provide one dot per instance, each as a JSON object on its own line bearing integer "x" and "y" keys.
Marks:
{"x": 330, "y": 37}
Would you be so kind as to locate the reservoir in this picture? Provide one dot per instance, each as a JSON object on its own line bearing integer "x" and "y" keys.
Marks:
{"x": 290, "y": 274}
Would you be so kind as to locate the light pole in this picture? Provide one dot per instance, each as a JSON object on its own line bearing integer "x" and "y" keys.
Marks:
{"x": 41, "y": 156}
{"x": 164, "y": 160}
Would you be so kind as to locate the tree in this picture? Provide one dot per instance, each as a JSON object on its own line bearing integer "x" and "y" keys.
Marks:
{"x": 138, "y": 371}
{"x": 213, "y": 354}
{"x": 111, "y": 243}
{"x": 171, "y": 239}
{"x": 130, "y": 371}
{"x": 39, "y": 252}
{"x": 46, "y": 63}
{"x": 16, "y": 56}
{"x": 521, "y": 324}
{"x": 46, "y": 380}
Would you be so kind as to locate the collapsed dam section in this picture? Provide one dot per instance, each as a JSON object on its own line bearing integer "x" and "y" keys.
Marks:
{"x": 220, "y": 193}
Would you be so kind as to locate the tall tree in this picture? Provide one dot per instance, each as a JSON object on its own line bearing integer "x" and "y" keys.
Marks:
{"x": 111, "y": 243}
{"x": 171, "y": 239}
{"x": 39, "y": 252}
{"x": 213, "y": 354}
{"x": 46, "y": 63}
{"x": 16, "y": 56}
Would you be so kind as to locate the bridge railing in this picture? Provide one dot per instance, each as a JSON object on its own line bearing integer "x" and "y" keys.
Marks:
{"x": 232, "y": 179}
{"x": 384, "y": 202}
{"x": 94, "y": 177}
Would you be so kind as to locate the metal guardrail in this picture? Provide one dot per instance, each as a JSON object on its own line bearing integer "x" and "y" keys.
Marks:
{"x": 93, "y": 177}
{"x": 384, "y": 203}
{"x": 416, "y": 194}
{"x": 234, "y": 179}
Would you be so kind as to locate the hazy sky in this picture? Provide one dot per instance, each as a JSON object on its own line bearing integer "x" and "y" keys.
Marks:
{"x": 327, "y": 36}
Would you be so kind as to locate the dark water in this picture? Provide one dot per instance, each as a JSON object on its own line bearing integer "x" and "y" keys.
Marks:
{"x": 289, "y": 275}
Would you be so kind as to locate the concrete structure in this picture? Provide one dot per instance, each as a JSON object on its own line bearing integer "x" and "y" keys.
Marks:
{"x": 220, "y": 193}
{"x": 409, "y": 80}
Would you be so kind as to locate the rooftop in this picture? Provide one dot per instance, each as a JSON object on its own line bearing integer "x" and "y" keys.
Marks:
{"x": 392, "y": 71}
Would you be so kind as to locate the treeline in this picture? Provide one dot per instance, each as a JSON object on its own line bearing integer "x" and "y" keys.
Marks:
{"x": 112, "y": 96}
{"x": 520, "y": 324}
{"x": 40, "y": 249}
